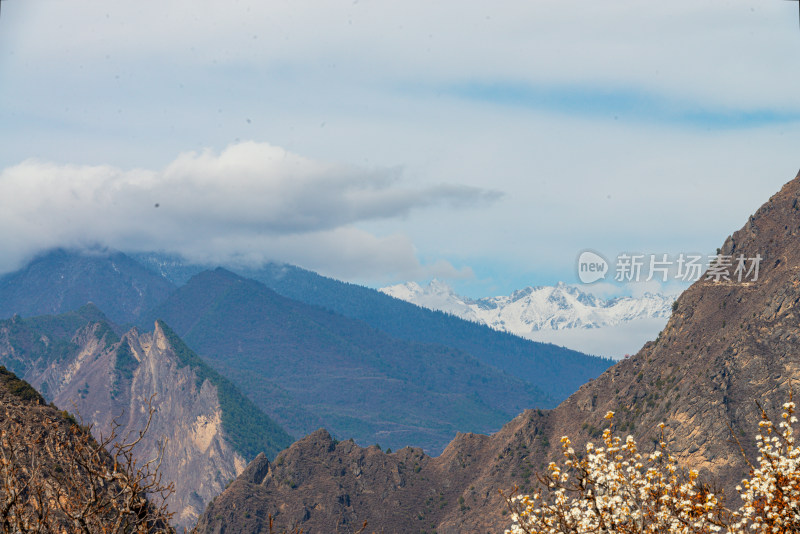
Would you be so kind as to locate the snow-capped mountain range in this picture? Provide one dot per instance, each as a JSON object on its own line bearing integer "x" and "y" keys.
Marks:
{"x": 532, "y": 311}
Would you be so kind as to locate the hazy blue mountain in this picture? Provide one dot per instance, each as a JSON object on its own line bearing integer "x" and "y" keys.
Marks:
{"x": 555, "y": 370}
{"x": 171, "y": 266}
{"x": 357, "y": 381}
{"x": 62, "y": 280}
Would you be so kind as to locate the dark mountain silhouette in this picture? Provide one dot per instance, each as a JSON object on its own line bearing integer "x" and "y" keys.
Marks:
{"x": 306, "y": 367}
{"x": 555, "y": 370}
{"x": 60, "y": 280}
{"x": 727, "y": 345}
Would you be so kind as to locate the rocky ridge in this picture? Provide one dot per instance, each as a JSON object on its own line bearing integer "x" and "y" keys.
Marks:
{"x": 109, "y": 380}
{"x": 54, "y": 477}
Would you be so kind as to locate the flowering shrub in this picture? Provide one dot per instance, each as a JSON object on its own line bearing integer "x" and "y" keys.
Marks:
{"x": 771, "y": 496}
{"x": 614, "y": 488}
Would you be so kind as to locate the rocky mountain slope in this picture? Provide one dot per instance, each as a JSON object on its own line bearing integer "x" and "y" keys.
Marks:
{"x": 54, "y": 477}
{"x": 210, "y": 429}
{"x": 729, "y": 344}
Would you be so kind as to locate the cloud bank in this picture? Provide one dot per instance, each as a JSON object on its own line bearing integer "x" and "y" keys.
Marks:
{"x": 250, "y": 203}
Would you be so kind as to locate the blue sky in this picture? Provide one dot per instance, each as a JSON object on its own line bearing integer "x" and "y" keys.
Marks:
{"x": 624, "y": 104}
{"x": 486, "y": 143}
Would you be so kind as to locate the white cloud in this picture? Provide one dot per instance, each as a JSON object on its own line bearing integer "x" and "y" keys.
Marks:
{"x": 251, "y": 202}
{"x": 345, "y": 253}
{"x": 612, "y": 341}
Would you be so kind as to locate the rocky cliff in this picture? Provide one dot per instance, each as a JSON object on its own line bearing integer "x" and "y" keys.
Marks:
{"x": 54, "y": 477}
{"x": 106, "y": 379}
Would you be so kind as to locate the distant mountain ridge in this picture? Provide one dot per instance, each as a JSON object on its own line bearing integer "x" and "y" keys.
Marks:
{"x": 554, "y": 369}
{"x": 308, "y": 367}
{"x": 61, "y": 280}
{"x": 532, "y": 309}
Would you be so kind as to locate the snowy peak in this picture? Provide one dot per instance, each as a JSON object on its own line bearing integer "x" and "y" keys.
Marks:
{"x": 436, "y": 295}
{"x": 408, "y": 291}
{"x": 532, "y": 309}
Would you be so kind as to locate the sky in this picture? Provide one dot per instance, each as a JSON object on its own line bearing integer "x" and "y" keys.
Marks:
{"x": 486, "y": 144}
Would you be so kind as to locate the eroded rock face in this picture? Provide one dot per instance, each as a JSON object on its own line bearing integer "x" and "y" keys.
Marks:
{"x": 727, "y": 345}
{"x": 52, "y": 477}
{"x": 106, "y": 381}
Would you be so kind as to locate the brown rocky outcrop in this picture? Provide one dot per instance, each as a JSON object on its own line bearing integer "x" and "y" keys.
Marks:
{"x": 96, "y": 384}
{"x": 55, "y": 477}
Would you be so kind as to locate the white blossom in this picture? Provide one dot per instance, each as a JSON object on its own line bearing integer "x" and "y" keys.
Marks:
{"x": 615, "y": 489}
